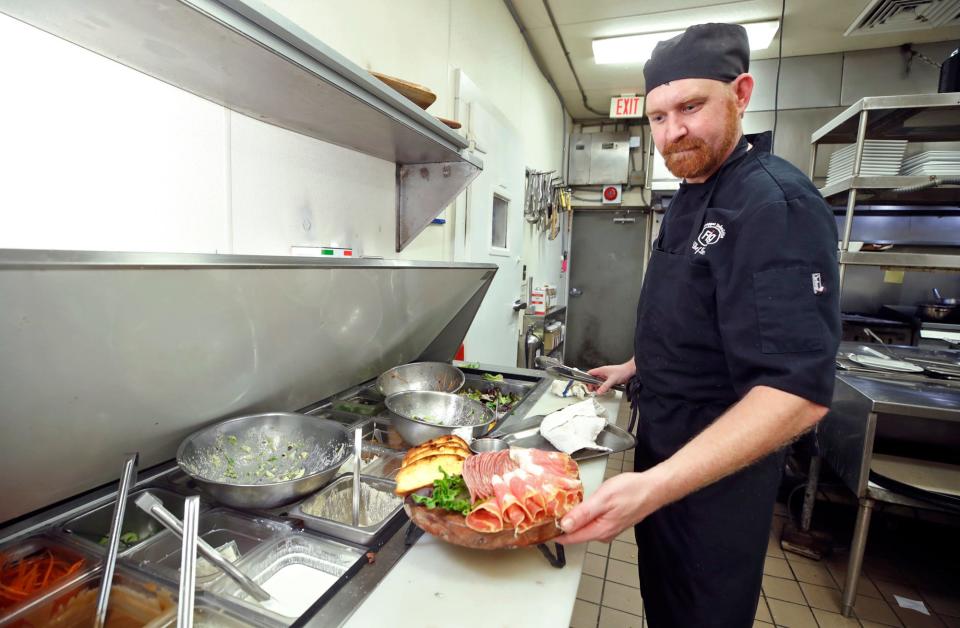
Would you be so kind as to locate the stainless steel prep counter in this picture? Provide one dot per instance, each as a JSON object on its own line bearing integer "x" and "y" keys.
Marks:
{"x": 878, "y": 418}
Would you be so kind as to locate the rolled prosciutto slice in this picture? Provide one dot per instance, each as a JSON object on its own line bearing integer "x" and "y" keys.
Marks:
{"x": 514, "y": 511}
{"x": 486, "y": 517}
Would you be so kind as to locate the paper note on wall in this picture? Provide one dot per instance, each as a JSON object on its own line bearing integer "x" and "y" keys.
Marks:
{"x": 893, "y": 276}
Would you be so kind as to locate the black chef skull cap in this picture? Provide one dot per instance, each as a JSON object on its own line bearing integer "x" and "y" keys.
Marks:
{"x": 712, "y": 51}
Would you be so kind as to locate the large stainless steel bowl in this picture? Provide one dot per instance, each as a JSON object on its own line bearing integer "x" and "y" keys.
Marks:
{"x": 265, "y": 460}
{"x": 438, "y": 376}
{"x": 420, "y": 415}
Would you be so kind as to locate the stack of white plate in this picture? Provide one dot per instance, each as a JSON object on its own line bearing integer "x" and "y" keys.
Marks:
{"x": 880, "y": 158}
{"x": 933, "y": 162}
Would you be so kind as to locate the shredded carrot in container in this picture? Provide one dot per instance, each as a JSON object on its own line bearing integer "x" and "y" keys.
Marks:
{"x": 26, "y": 577}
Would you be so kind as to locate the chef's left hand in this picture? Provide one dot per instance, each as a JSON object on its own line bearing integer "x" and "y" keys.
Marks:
{"x": 620, "y": 502}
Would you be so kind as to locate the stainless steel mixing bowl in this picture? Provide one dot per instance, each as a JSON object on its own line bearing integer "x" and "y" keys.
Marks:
{"x": 420, "y": 415}
{"x": 265, "y": 460}
{"x": 438, "y": 376}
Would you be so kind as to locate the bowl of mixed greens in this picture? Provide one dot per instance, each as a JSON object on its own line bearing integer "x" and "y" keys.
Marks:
{"x": 421, "y": 415}
{"x": 493, "y": 392}
{"x": 265, "y": 460}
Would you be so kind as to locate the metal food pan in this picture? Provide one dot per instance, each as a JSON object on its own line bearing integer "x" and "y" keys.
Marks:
{"x": 134, "y": 601}
{"x": 341, "y": 489}
{"x": 508, "y": 385}
{"x": 23, "y": 548}
{"x": 217, "y": 527}
{"x": 334, "y": 561}
{"x": 88, "y": 528}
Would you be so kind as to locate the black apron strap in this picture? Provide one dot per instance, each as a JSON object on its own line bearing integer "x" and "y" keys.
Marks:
{"x": 634, "y": 386}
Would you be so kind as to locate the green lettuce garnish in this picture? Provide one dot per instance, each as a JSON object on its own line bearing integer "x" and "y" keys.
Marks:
{"x": 449, "y": 492}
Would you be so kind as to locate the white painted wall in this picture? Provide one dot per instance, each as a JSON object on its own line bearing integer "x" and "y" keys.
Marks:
{"x": 97, "y": 156}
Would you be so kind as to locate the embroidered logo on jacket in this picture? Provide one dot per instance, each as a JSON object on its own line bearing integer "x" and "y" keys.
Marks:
{"x": 712, "y": 233}
{"x": 817, "y": 283}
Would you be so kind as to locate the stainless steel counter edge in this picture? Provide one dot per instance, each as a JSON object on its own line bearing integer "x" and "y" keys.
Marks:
{"x": 14, "y": 259}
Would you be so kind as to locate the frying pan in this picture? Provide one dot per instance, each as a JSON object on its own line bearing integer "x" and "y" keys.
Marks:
{"x": 940, "y": 308}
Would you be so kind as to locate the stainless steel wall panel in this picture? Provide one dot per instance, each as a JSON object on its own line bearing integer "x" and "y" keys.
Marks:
{"x": 106, "y": 353}
{"x": 805, "y": 82}
{"x": 793, "y": 134}
{"x": 882, "y": 72}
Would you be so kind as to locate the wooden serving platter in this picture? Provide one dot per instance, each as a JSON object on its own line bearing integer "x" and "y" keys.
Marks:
{"x": 452, "y": 528}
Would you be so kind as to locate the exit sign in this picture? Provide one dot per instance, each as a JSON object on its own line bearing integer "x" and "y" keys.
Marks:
{"x": 626, "y": 107}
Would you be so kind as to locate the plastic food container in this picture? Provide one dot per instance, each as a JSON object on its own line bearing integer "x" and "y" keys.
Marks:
{"x": 134, "y": 601}
{"x": 38, "y": 566}
{"x": 220, "y": 528}
{"x": 297, "y": 570}
{"x": 91, "y": 528}
{"x": 331, "y": 510}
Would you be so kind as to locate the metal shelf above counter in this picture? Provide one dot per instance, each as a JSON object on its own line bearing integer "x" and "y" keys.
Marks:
{"x": 247, "y": 57}
{"x": 882, "y": 189}
{"x": 889, "y": 259}
{"x": 888, "y": 118}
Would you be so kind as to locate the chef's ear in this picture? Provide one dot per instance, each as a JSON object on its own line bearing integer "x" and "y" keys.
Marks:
{"x": 742, "y": 88}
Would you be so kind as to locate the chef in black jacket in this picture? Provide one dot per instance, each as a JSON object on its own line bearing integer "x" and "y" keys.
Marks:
{"x": 737, "y": 330}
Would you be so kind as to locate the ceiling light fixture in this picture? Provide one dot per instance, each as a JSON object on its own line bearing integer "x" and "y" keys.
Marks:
{"x": 638, "y": 48}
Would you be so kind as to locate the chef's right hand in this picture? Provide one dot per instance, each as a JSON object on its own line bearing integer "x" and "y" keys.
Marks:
{"x": 612, "y": 375}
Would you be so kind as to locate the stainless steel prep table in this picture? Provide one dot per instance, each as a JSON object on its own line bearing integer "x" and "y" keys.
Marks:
{"x": 875, "y": 414}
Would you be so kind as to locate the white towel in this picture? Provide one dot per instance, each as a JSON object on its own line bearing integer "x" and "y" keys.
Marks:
{"x": 575, "y": 427}
{"x": 569, "y": 388}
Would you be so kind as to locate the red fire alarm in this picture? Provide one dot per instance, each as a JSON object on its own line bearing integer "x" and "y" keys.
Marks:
{"x": 611, "y": 195}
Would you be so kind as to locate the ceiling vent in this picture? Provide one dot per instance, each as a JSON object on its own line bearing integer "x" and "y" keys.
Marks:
{"x": 890, "y": 16}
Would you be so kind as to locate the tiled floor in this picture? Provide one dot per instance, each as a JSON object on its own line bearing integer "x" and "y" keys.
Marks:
{"x": 797, "y": 592}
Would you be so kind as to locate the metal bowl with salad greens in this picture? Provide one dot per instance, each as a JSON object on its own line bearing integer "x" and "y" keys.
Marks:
{"x": 493, "y": 392}
{"x": 264, "y": 460}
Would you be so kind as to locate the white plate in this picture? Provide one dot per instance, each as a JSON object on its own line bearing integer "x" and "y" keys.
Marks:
{"x": 886, "y": 364}
{"x": 867, "y": 161}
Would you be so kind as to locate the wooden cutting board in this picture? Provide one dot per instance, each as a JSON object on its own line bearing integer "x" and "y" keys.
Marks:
{"x": 452, "y": 528}
{"x": 418, "y": 94}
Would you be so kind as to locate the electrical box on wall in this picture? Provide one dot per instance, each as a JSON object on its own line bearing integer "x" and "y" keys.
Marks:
{"x": 599, "y": 158}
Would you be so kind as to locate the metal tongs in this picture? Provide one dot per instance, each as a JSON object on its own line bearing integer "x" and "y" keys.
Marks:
{"x": 127, "y": 479}
{"x": 154, "y": 507}
{"x": 188, "y": 561}
{"x": 357, "y": 444}
{"x": 559, "y": 369}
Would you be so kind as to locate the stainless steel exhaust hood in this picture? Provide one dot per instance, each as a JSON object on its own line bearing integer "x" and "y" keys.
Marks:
{"x": 102, "y": 353}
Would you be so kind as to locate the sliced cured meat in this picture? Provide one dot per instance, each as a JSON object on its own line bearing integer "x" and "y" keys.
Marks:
{"x": 526, "y": 488}
{"x": 520, "y": 488}
{"x": 479, "y": 469}
{"x": 472, "y": 478}
{"x": 486, "y": 517}
{"x": 511, "y": 507}
{"x": 555, "y": 462}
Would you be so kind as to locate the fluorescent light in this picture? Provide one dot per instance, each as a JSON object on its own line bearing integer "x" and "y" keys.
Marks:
{"x": 638, "y": 48}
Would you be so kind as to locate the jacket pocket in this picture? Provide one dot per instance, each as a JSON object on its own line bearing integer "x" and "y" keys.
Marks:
{"x": 787, "y": 314}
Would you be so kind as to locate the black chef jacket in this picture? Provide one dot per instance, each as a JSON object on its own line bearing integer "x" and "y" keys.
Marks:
{"x": 741, "y": 291}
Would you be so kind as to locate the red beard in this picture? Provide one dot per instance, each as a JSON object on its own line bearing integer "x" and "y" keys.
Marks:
{"x": 692, "y": 158}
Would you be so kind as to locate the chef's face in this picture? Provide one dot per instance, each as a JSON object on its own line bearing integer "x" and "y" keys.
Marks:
{"x": 696, "y": 123}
